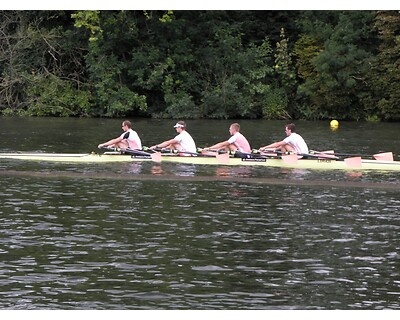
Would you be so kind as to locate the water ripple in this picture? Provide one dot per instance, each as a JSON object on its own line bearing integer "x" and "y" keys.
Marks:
{"x": 65, "y": 244}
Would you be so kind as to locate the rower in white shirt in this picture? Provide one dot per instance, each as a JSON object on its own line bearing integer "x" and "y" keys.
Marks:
{"x": 292, "y": 143}
{"x": 182, "y": 142}
{"x": 129, "y": 139}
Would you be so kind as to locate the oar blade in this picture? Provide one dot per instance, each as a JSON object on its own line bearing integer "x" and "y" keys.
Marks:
{"x": 223, "y": 158}
{"x": 290, "y": 159}
{"x": 353, "y": 162}
{"x": 385, "y": 156}
{"x": 156, "y": 157}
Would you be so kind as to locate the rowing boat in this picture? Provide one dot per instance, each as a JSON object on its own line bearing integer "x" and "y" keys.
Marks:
{"x": 314, "y": 163}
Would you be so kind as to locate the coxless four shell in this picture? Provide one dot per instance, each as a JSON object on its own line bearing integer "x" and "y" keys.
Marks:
{"x": 314, "y": 163}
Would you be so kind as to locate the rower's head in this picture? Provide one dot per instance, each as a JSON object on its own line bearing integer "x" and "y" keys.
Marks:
{"x": 290, "y": 128}
{"x": 235, "y": 127}
{"x": 126, "y": 125}
{"x": 180, "y": 126}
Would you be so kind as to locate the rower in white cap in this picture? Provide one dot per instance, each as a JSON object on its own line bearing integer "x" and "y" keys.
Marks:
{"x": 182, "y": 142}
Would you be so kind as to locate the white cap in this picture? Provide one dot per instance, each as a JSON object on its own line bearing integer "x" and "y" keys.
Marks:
{"x": 179, "y": 125}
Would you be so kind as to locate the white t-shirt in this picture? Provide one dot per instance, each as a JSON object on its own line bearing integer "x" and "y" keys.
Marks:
{"x": 240, "y": 142}
{"x": 297, "y": 142}
{"x": 132, "y": 138}
{"x": 186, "y": 141}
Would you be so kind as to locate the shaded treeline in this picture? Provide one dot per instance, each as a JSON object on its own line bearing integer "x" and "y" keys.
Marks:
{"x": 201, "y": 64}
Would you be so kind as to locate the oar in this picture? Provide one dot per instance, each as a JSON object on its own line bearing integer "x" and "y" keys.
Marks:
{"x": 224, "y": 157}
{"x": 135, "y": 152}
{"x": 205, "y": 150}
{"x": 384, "y": 156}
{"x": 331, "y": 152}
{"x": 356, "y": 162}
{"x": 256, "y": 155}
{"x": 261, "y": 150}
{"x": 177, "y": 152}
{"x": 156, "y": 157}
{"x": 289, "y": 157}
{"x": 271, "y": 152}
{"x": 110, "y": 149}
{"x": 292, "y": 157}
{"x": 353, "y": 162}
{"x": 221, "y": 155}
{"x": 321, "y": 155}
{"x": 330, "y": 155}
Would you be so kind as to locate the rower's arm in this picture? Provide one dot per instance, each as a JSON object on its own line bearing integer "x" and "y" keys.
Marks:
{"x": 274, "y": 145}
{"x": 110, "y": 142}
{"x": 219, "y": 145}
{"x": 165, "y": 144}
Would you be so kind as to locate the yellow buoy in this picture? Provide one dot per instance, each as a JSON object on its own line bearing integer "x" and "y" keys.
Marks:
{"x": 334, "y": 124}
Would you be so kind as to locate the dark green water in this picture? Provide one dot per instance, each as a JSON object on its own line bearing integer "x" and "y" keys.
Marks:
{"x": 196, "y": 237}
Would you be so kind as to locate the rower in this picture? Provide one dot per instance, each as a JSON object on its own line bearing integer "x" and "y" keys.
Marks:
{"x": 292, "y": 143}
{"x": 237, "y": 141}
{"x": 129, "y": 139}
{"x": 183, "y": 142}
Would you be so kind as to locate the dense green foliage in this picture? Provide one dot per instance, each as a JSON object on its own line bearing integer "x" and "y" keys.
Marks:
{"x": 201, "y": 64}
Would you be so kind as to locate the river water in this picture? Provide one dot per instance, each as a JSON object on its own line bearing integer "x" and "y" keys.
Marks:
{"x": 170, "y": 236}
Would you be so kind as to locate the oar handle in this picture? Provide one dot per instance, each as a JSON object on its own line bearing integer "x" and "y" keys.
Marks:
{"x": 165, "y": 150}
{"x": 265, "y": 150}
{"x": 219, "y": 151}
{"x": 177, "y": 152}
{"x": 108, "y": 148}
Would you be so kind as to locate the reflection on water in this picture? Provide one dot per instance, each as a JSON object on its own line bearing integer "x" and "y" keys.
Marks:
{"x": 81, "y": 244}
{"x": 156, "y": 170}
{"x": 233, "y": 171}
{"x": 135, "y": 168}
{"x": 354, "y": 174}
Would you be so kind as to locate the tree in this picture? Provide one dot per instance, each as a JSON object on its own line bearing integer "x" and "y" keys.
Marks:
{"x": 283, "y": 91}
{"x": 200, "y": 64}
{"x": 383, "y": 102}
{"x": 110, "y": 35}
{"x": 337, "y": 85}
{"x": 41, "y": 70}
{"x": 307, "y": 48}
